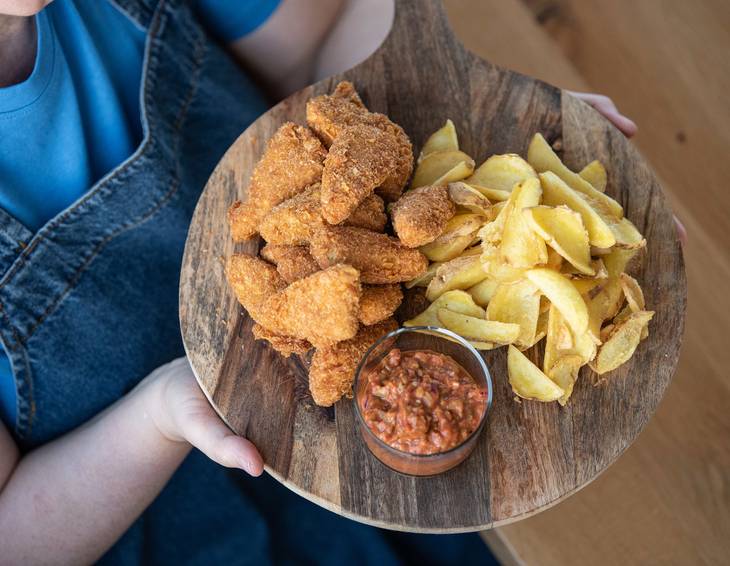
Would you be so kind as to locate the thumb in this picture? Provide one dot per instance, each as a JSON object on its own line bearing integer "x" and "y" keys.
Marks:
{"x": 207, "y": 432}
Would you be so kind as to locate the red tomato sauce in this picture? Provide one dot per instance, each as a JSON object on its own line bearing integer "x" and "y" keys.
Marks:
{"x": 421, "y": 402}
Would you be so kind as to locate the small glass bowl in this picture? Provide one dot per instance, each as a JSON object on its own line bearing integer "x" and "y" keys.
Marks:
{"x": 438, "y": 340}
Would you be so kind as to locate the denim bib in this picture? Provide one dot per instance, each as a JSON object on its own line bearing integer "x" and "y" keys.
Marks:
{"x": 89, "y": 306}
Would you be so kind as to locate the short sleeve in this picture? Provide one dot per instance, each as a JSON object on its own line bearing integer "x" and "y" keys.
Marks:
{"x": 228, "y": 20}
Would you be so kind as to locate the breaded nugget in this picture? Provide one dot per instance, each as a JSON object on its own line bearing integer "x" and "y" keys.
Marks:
{"x": 292, "y": 262}
{"x": 294, "y": 159}
{"x": 321, "y": 308}
{"x": 294, "y": 221}
{"x": 332, "y": 371}
{"x": 380, "y": 258}
{"x": 379, "y": 302}
{"x": 253, "y": 281}
{"x": 285, "y": 345}
{"x": 359, "y": 160}
{"x": 329, "y": 115}
{"x": 420, "y": 215}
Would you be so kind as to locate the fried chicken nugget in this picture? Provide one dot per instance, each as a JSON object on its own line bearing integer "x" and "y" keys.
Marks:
{"x": 329, "y": 115}
{"x": 292, "y": 262}
{"x": 253, "y": 281}
{"x": 294, "y": 158}
{"x": 359, "y": 160}
{"x": 285, "y": 345}
{"x": 420, "y": 215}
{"x": 379, "y": 302}
{"x": 332, "y": 371}
{"x": 321, "y": 308}
{"x": 380, "y": 258}
{"x": 294, "y": 221}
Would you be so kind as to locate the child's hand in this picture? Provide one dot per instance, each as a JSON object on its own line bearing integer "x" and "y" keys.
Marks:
{"x": 183, "y": 414}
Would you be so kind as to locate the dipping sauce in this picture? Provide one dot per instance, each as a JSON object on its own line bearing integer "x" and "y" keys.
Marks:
{"x": 421, "y": 402}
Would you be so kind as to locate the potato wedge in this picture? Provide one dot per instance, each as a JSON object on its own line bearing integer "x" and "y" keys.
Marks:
{"x": 470, "y": 199}
{"x": 424, "y": 279}
{"x": 554, "y": 259}
{"x": 494, "y": 195}
{"x": 556, "y": 192}
{"x": 561, "y": 342}
{"x": 502, "y": 172}
{"x": 482, "y": 292}
{"x": 604, "y": 305}
{"x": 633, "y": 293}
{"x": 542, "y": 157}
{"x": 456, "y": 237}
{"x": 621, "y": 343}
{"x": 521, "y": 246}
{"x": 595, "y": 174}
{"x": 456, "y": 301}
{"x": 459, "y": 273}
{"x": 528, "y": 381}
{"x": 441, "y": 168}
{"x": 563, "y": 230}
{"x": 563, "y": 295}
{"x": 617, "y": 260}
{"x": 443, "y": 139}
{"x": 479, "y": 329}
{"x": 564, "y": 373}
{"x": 517, "y": 303}
{"x": 495, "y": 266}
{"x": 626, "y": 234}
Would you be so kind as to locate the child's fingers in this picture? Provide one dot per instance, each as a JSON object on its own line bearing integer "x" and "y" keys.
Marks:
{"x": 204, "y": 430}
{"x": 605, "y": 106}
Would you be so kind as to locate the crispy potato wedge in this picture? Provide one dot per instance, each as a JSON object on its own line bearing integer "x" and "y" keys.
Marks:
{"x": 479, "y": 329}
{"x": 633, "y": 293}
{"x": 564, "y": 374}
{"x": 560, "y": 341}
{"x": 424, "y": 279}
{"x": 502, "y": 172}
{"x": 528, "y": 381}
{"x": 563, "y": 230}
{"x": 443, "y": 139}
{"x": 441, "y": 168}
{"x": 459, "y": 273}
{"x": 517, "y": 303}
{"x": 456, "y": 301}
{"x": 521, "y": 246}
{"x": 626, "y": 234}
{"x": 556, "y": 192}
{"x": 496, "y": 268}
{"x": 554, "y": 259}
{"x": 585, "y": 286}
{"x": 457, "y": 236}
{"x": 494, "y": 195}
{"x": 604, "y": 305}
{"x": 563, "y": 295}
{"x": 617, "y": 260}
{"x": 470, "y": 199}
{"x": 621, "y": 343}
{"x": 542, "y": 157}
{"x": 482, "y": 292}
{"x": 595, "y": 174}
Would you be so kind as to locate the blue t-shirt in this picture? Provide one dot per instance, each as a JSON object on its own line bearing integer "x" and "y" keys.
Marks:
{"x": 77, "y": 116}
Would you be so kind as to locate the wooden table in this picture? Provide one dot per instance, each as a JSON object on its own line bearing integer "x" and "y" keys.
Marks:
{"x": 664, "y": 63}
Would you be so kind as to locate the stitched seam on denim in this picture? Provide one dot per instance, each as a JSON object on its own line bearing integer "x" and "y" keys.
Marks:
{"x": 100, "y": 246}
{"x": 28, "y": 418}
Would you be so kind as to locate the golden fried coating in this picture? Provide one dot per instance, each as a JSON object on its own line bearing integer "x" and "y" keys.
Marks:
{"x": 420, "y": 215}
{"x": 329, "y": 115}
{"x": 379, "y": 302}
{"x": 321, "y": 308}
{"x": 253, "y": 281}
{"x": 359, "y": 160}
{"x": 379, "y": 258}
{"x": 332, "y": 371}
{"x": 294, "y": 221}
{"x": 294, "y": 159}
{"x": 292, "y": 262}
{"x": 285, "y": 345}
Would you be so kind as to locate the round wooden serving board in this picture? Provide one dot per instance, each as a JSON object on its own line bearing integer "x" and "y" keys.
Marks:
{"x": 531, "y": 455}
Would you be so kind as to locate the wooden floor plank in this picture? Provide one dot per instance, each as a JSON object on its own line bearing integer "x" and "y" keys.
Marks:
{"x": 666, "y": 500}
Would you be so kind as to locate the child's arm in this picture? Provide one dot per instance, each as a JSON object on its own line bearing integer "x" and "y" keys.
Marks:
{"x": 71, "y": 499}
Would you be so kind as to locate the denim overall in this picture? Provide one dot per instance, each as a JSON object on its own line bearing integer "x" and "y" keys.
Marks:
{"x": 88, "y": 307}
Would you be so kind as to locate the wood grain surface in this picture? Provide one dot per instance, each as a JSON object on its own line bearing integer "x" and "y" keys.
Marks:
{"x": 666, "y": 499}
{"x": 531, "y": 455}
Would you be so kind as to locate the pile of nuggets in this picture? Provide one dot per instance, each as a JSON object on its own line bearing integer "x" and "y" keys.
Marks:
{"x": 328, "y": 276}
